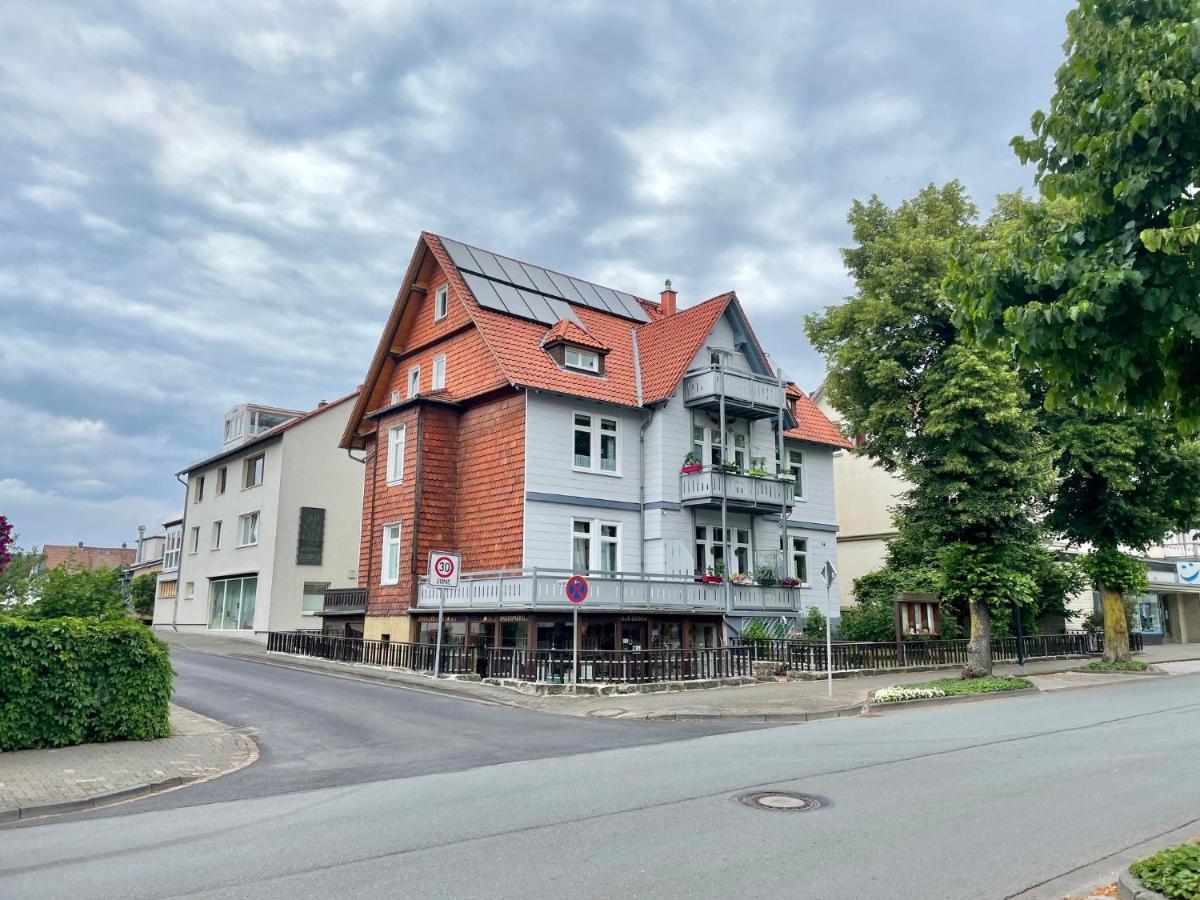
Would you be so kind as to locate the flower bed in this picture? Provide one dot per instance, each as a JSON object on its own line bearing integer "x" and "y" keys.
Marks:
{"x": 896, "y": 693}
{"x": 1101, "y": 666}
{"x": 949, "y": 687}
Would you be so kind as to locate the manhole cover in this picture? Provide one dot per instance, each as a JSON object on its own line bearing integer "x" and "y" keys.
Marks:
{"x": 606, "y": 713}
{"x": 783, "y": 801}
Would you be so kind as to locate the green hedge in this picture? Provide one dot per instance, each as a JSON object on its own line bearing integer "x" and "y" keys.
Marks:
{"x": 81, "y": 681}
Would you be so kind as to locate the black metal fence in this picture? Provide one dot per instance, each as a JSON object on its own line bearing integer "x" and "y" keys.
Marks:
{"x": 847, "y": 656}
{"x": 552, "y": 666}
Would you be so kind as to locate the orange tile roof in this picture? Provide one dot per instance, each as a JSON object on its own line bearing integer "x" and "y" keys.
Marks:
{"x": 73, "y": 555}
{"x": 668, "y": 346}
{"x": 812, "y": 424}
{"x": 567, "y": 332}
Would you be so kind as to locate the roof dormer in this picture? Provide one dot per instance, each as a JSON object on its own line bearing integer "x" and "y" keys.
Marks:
{"x": 574, "y": 350}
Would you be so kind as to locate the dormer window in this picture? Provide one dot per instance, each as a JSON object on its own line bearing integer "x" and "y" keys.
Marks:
{"x": 587, "y": 360}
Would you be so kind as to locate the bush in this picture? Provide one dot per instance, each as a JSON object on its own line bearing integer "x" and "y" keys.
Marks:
{"x": 1174, "y": 873}
{"x": 81, "y": 681}
{"x": 813, "y": 624}
{"x": 1135, "y": 665}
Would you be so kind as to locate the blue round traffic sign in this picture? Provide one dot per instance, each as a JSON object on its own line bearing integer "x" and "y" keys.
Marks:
{"x": 577, "y": 589}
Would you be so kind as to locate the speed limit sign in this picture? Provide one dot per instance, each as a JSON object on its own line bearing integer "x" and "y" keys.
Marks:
{"x": 443, "y": 569}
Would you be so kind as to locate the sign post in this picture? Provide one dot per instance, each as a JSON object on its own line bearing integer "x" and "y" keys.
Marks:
{"x": 577, "y": 591}
{"x": 828, "y": 574}
{"x": 442, "y": 573}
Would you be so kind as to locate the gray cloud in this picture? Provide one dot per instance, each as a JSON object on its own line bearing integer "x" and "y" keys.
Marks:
{"x": 210, "y": 203}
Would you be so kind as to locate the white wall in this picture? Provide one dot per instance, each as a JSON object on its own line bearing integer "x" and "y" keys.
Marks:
{"x": 316, "y": 472}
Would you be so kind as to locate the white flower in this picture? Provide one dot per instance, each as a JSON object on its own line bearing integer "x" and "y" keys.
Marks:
{"x": 896, "y": 693}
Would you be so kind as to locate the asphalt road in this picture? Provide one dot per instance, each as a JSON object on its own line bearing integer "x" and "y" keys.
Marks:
{"x": 315, "y": 731}
{"x": 973, "y": 800}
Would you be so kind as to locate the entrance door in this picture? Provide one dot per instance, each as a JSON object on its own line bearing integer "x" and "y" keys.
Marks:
{"x": 633, "y": 636}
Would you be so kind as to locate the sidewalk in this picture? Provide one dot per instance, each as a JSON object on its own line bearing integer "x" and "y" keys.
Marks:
{"x": 47, "y": 782}
{"x": 793, "y": 701}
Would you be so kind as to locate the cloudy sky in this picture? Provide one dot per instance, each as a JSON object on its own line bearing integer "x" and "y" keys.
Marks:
{"x": 205, "y": 203}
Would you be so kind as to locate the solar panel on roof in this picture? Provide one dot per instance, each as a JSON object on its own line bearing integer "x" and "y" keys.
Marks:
{"x": 511, "y": 298}
{"x": 531, "y": 292}
{"x": 516, "y": 275}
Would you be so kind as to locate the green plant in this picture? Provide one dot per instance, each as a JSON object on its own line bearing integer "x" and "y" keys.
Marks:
{"x": 813, "y": 623}
{"x": 73, "y": 591}
{"x": 1174, "y": 872}
{"x": 141, "y": 592}
{"x": 758, "y": 467}
{"x": 74, "y": 681}
{"x": 766, "y": 576}
{"x": 1099, "y": 665}
{"x": 692, "y": 458}
{"x": 954, "y": 686}
{"x": 761, "y": 631}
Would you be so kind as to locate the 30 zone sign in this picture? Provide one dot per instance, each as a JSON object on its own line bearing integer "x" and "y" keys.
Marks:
{"x": 443, "y": 569}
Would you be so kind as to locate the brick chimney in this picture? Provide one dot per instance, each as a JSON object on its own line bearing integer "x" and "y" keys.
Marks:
{"x": 666, "y": 303}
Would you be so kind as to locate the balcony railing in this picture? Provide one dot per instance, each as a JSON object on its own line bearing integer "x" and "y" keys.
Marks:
{"x": 746, "y": 394}
{"x": 345, "y": 600}
{"x": 742, "y": 492}
{"x": 544, "y": 590}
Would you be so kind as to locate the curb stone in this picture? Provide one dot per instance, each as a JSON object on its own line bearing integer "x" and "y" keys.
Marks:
{"x": 13, "y": 814}
{"x": 1130, "y": 888}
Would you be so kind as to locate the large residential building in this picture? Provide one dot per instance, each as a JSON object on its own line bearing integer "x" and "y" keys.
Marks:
{"x": 269, "y": 523}
{"x": 544, "y": 426}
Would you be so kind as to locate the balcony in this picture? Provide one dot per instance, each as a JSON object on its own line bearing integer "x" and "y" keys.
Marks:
{"x": 747, "y": 395}
{"x": 344, "y": 601}
{"x": 743, "y": 493}
{"x": 544, "y": 590}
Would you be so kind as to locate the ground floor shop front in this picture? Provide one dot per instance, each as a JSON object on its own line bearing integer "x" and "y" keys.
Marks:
{"x": 552, "y": 631}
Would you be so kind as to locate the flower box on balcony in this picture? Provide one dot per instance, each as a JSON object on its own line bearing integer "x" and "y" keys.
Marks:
{"x": 711, "y": 579}
{"x": 691, "y": 468}
{"x": 785, "y": 476}
{"x": 789, "y": 582}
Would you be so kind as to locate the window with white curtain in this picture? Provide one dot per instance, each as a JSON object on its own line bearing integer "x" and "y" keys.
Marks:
{"x": 439, "y": 372}
{"x": 595, "y": 444}
{"x": 248, "y": 529}
{"x": 595, "y": 546}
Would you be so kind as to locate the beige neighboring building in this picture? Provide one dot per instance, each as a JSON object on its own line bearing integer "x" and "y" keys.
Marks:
{"x": 865, "y": 496}
{"x": 269, "y": 523}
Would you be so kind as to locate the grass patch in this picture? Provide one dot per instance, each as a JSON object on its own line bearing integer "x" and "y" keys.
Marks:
{"x": 1174, "y": 872}
{"x": 1100, "y": 665}
{"x": 953, "y": 686}
{"x": 948, "y": 687}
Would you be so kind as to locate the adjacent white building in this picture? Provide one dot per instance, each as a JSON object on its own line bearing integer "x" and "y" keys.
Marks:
{"x": 269, "y": 523}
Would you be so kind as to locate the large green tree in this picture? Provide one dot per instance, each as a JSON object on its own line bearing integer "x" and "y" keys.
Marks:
{"x": 1123, "y": 481}
{"x": 886, "y": 349}
{"x": 74, "y": 591}
{"x": 18, "y": 578}
{"x": 978, "y": 496}
{"x": 141, "y": 593}
{"x": 1097, "y": 284}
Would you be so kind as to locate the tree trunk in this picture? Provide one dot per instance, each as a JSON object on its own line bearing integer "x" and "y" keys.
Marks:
{"x": 979, "y": 648}
{"x": 1116, "y": 627}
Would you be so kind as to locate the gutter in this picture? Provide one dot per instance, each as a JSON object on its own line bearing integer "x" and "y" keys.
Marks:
{"x": 179, "y": 571}
{"x": 637, "y": 380}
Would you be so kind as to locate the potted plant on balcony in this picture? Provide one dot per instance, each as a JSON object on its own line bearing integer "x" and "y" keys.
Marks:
{"x": 727, "y": 468}
{"x": 789, "y": 582}
{"x": 691, "y": 463}
{"x": 785, "y": 476}
{"x": 766, "y": 576}
{"x": 741, "y": 578}
{"x": 715, "y": 574}
{"x": 758, "y": 467}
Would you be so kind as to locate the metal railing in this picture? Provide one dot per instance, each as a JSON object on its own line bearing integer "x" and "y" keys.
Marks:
{"x": 345, "y": 599}
{"x": 849, "y": 656}
{"x": 524, "y": 664}
{"x": 701, "y": 386}
{"x": 740, "y": 489}
{"x": 544, "y": 589}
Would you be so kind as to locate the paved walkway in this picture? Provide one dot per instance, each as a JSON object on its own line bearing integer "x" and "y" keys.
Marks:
{"x": 44, "y": 782}
{"x": 769, "y": 701}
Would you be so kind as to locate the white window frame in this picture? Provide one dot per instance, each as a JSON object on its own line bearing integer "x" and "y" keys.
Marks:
{"x": 215, "y": 542}
{"x": 174, "y": 548}
{"x": 194, "y": 541}
{"x": 439, "y": 372}
{"x": 198, "y": 493}
{"x": 189, "y": 590}
{"x": 247, "y": 469}
{"x": 792, "y": 452}
{"x": 304, "y": 592}
{"x": 395, "y": 397}
{"x": 708, "y": 444}
{"x": 222, "y": 481}
{"x": 395, "y": 457}
{"x": 414, "y": 381}
{"x": 242, "y": 519}
{"x": 391, "y": 537}
{"x": 585, "y": 360}
{"x": 792, "y": 553}
{"x": 596, "y": 431}
{"x": 596, "y": 541}
{"x": 441, "y": 303}
{"x": 710, "y": 540}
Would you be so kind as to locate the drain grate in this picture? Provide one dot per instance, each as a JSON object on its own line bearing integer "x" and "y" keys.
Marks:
{"x": 783, "y": 801}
